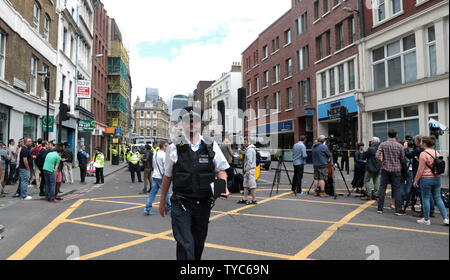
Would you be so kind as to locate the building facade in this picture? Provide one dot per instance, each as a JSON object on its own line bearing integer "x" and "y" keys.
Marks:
{"x": 151, "y": 121}
{"x": 28, "y": 44}
{"x": 404, "y": 68}
{"x": 199, "y": 92}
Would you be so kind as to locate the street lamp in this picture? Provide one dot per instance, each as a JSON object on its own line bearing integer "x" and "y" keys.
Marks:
{"x": 350, "y": 10}
{"x": 47, "y": 92}
{"x": 360, "y": 19}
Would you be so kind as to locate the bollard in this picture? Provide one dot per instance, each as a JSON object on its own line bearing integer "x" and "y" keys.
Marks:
{"x": 2, "y": 228}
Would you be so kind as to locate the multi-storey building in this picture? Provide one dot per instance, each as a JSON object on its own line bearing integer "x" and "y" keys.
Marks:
{"x": 118, "y": 81}
{"x": 99, "y": 74}
{"x": 304, "y": 66}
{"x": 28, "y": 43}
{"x": 404, "y": 66}
{"x": 199, "y": 92}
{"x": 224, "y": 101}
{"x": 151, "y": 121}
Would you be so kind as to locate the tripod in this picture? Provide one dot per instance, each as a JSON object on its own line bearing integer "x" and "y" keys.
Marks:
{"x": 277, "y": 177}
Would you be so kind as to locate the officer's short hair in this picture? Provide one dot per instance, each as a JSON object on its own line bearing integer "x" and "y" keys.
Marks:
{"x": 162, "y": 144}
{"x": 147, "y": 146}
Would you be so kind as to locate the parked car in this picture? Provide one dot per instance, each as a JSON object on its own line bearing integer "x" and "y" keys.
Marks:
{"x": 266, "y": 159}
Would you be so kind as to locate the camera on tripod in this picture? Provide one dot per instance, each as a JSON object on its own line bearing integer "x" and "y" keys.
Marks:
{"x": 411, "y": 143}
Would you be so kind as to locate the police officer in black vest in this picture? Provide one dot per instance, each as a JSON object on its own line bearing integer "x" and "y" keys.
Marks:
{"x": 192, "y": 164}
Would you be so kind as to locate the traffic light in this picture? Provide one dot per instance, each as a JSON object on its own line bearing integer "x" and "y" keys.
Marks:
{"x": 241, "y": 99}
{"x": 435, "y": 130}
{"x": 64, "y": 112}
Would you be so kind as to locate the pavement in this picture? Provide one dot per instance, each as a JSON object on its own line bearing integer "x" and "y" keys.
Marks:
{"x": 67, "y": 189}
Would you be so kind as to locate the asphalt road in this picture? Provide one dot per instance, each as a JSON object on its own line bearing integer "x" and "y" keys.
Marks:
{"x": 107, "y": 223}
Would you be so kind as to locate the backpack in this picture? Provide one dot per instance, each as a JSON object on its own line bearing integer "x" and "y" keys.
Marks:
{"x": 438, "y": 167}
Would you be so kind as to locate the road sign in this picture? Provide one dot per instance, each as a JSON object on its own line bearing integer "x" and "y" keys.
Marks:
{"x": 115, "y": 122}
{"x": 86, "y": 126}
{"x": 50, "y": 124}
{"x": 84, "y": 89}
{"x": 118, "y": 131}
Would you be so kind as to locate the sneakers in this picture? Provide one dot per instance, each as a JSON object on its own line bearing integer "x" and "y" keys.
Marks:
{"x": 149, "y": 213}
{"x": 401, "y": 213}
{"x": 424, "y": 222}
{"x": 16, "y": 195}
{"x": 446, "y": 222}
{"x": 28, "y": 198}
{"x": 380, "y": 211}
{"x": 242, "y": 201}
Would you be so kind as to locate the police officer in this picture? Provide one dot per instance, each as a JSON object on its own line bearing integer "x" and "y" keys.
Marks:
{"x": 99, "y": 164}
{"x": 134, "y": 157}
{"x": 192, "y": 163}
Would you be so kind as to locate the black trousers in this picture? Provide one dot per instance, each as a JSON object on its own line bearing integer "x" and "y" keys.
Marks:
{"x": 135, "y": 168}
{"x": 298, "y": 177}
{"x": 99, "y": 176}
{"x": 83, "y": 172}
{"x": 190, "y": 227}
{"x": 345, "y": 163}
{"x": 395, "y": 180}
{"x": 42, "y": 184}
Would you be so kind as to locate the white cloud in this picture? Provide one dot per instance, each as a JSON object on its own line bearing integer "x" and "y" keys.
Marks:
{"x": 159, "y": 21}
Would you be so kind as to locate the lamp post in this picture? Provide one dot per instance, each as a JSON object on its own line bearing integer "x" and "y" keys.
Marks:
{"x": 46, "y": 76}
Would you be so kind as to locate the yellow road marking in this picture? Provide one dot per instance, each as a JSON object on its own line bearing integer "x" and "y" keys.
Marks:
{"x": 319, "y": 241}
{"x": 399, "y": 228}
{"x": 104, "y": 213}
{"x": 118, "y": 202}
{"x": 29, "y": 246}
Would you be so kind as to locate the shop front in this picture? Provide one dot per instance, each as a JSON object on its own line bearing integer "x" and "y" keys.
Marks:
{"x": 4, "y": 123}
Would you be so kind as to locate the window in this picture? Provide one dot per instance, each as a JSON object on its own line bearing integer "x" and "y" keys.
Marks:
{"x": 257, "y": 109}
{"x": 277, "y": 101}
{"x": 249, "y": 108}
{"x": 336, "y": 2}
{"x": 33, "y": 74}
{"x": 328, "y": 36}
{"x": 29, "y": 125}
{"x": 43, "y": 92}
{"x": 324, "y": 84}
{"x": 289, "y": 68}
{"x": 2, "y": 54}
{"x": 287, "y": 37}
{"x": 289, "y": 98}
{"x": 351, "y": 27}
{"x": 302, "y": 23}
{"x": 64, "y": 40}
{"x": 332, "y": 83}
{"x": 142, "y": 115}
{"x": 431, "y": 45}
{"x": 71, "y": 47}
{"x": 148, "y": 132}
{"x": 266, "y": 79}
{"x": 303, "y": 58}
{"x": 155, "y": 115}
{"x": 340, "y": 36}
{"x": 276, "y": 73}
{"x": 394, "y": 63}
{"x": 256, "y": 84}
{"x": 148, "y": 123}
{"x": 303, "y": 93}
{"x": 46, "y": 27}
{"x": 36, "y": 16}
{"x": 249, "y": 87}
{"x": 381, "y": 10}
{"x": 266, "y": 51}
{"x": 326, "y": 6}
{"x": 266, "y": 101}
{"x": 395, "y": 6}
{"x": 155, "y": 123}
{"x": 319, "y": 48}
{"x": 142, "y": 132}
{"x": 316, "y": 10}
{"x": 351, "y": 75}
{"x": 404, "y": 120}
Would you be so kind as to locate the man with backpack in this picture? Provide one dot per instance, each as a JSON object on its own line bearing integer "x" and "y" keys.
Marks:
{"x": 148, "y": 168}
{"x": 250, "y": 163}
{"x": 372, "y": 170}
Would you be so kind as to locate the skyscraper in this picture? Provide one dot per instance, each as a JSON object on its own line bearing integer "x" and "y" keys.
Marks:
{"x": 152, "y": 94}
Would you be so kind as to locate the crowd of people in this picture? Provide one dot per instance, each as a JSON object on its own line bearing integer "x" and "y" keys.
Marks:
{"x": 409, "y": 168}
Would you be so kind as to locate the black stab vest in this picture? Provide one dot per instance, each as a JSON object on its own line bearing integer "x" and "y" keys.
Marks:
{"x": 194, "y": 172}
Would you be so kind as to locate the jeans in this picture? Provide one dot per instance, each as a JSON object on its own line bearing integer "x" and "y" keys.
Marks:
{"x": 431, "y": 187}
{"x": 50, "y": 184}
{"x": 151, "y": 197}
{"x": 298, "y": 176}
{"x": 375, "y": 177}
{"x": 395, "y": 179}
{"x": 24, "y": 181}
{"x": 406, "y": 186}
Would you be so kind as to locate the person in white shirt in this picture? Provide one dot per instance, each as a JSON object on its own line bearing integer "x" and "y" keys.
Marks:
{"x": 193, "y": 163}
{"x": 159, "y": 159}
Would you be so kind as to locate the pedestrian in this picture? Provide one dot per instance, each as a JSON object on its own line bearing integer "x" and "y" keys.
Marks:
{"x": 192, "y": 164}
{"x": 25, "y": 167}
{"x": 321, "y": 158}
{"x": 372, "y": 172}
{"x": 345, "y": 162}
{"x": 39, "y": 165}
{"x": 99, "y": 164}
{"x": 12, "y": 157}
{"x": 430, "y": 183}
{"x": 83, "y": 157}
{"x": 360, "y": 168}
{"x": 67, "y": 159}
{"x": 249, "y": 172}
{"x": 16, "y": 173}
{"x": 3, "y": 168}
{"x": 34, "y": 153}
{"x": 50, "y": 169}
{"x": 134, "y": 157}
{"x": 147, "y": 161}
{"x": 391, "y": 155}
{"x": 158, "y": 174}
{"x": 299, "y": 158}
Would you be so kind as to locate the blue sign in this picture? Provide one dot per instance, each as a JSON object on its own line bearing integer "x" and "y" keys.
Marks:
{"x": 118, "y": 131}
{"x": 283, "y": 126}
{"x": 332, "y": 109}
{"x": 309, "y": 112}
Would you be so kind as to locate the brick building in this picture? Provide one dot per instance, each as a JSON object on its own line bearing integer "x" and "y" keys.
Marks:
{"x": 99, "y": 73}
{"x": 282, "y": 66}
{"x": 405, "y": 68}
{"x": 151, "y": 121}
{"x": 28, "y": 43}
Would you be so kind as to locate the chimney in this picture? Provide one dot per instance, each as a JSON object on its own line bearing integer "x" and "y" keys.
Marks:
{"x": 236, "y": 67}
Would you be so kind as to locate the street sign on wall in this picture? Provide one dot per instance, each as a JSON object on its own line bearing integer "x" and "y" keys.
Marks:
{"x": 50, "y": 124}
{"x": 84, "y": 89}
{"x": 86, "y": 126}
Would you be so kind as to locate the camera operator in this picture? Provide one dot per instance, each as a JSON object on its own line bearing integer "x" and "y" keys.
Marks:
{"x": 413, "y": 149}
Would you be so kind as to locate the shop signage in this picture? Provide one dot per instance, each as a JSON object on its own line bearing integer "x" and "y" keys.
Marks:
{"x": 20, "y": 84}
{"x": 118, "y": 131}
{"x": 115, "y": 140}
{"x": 283, "y": 126}
{"x": 50, "y": 123}
{"x": 115, "y": 122}
{"x": 86, "y": 126}
{"x": 110, "y": 130}
{"x": 332, "y": 109}
{"x": 84, "y": 89}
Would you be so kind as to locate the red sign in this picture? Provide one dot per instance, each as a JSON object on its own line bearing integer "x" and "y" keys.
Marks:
{"x": 84, "y": 89}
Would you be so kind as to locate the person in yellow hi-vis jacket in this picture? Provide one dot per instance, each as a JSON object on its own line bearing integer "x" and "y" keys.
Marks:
{"x": 99, "y": 164}
{"x": 134, "y": 157}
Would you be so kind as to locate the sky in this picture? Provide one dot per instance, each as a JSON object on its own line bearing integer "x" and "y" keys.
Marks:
{"x": 174, "y": 44}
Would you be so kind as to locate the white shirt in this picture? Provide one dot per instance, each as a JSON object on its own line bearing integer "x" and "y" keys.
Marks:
{"x": 220, "y": 162}
{"x": 159, "y": 161}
